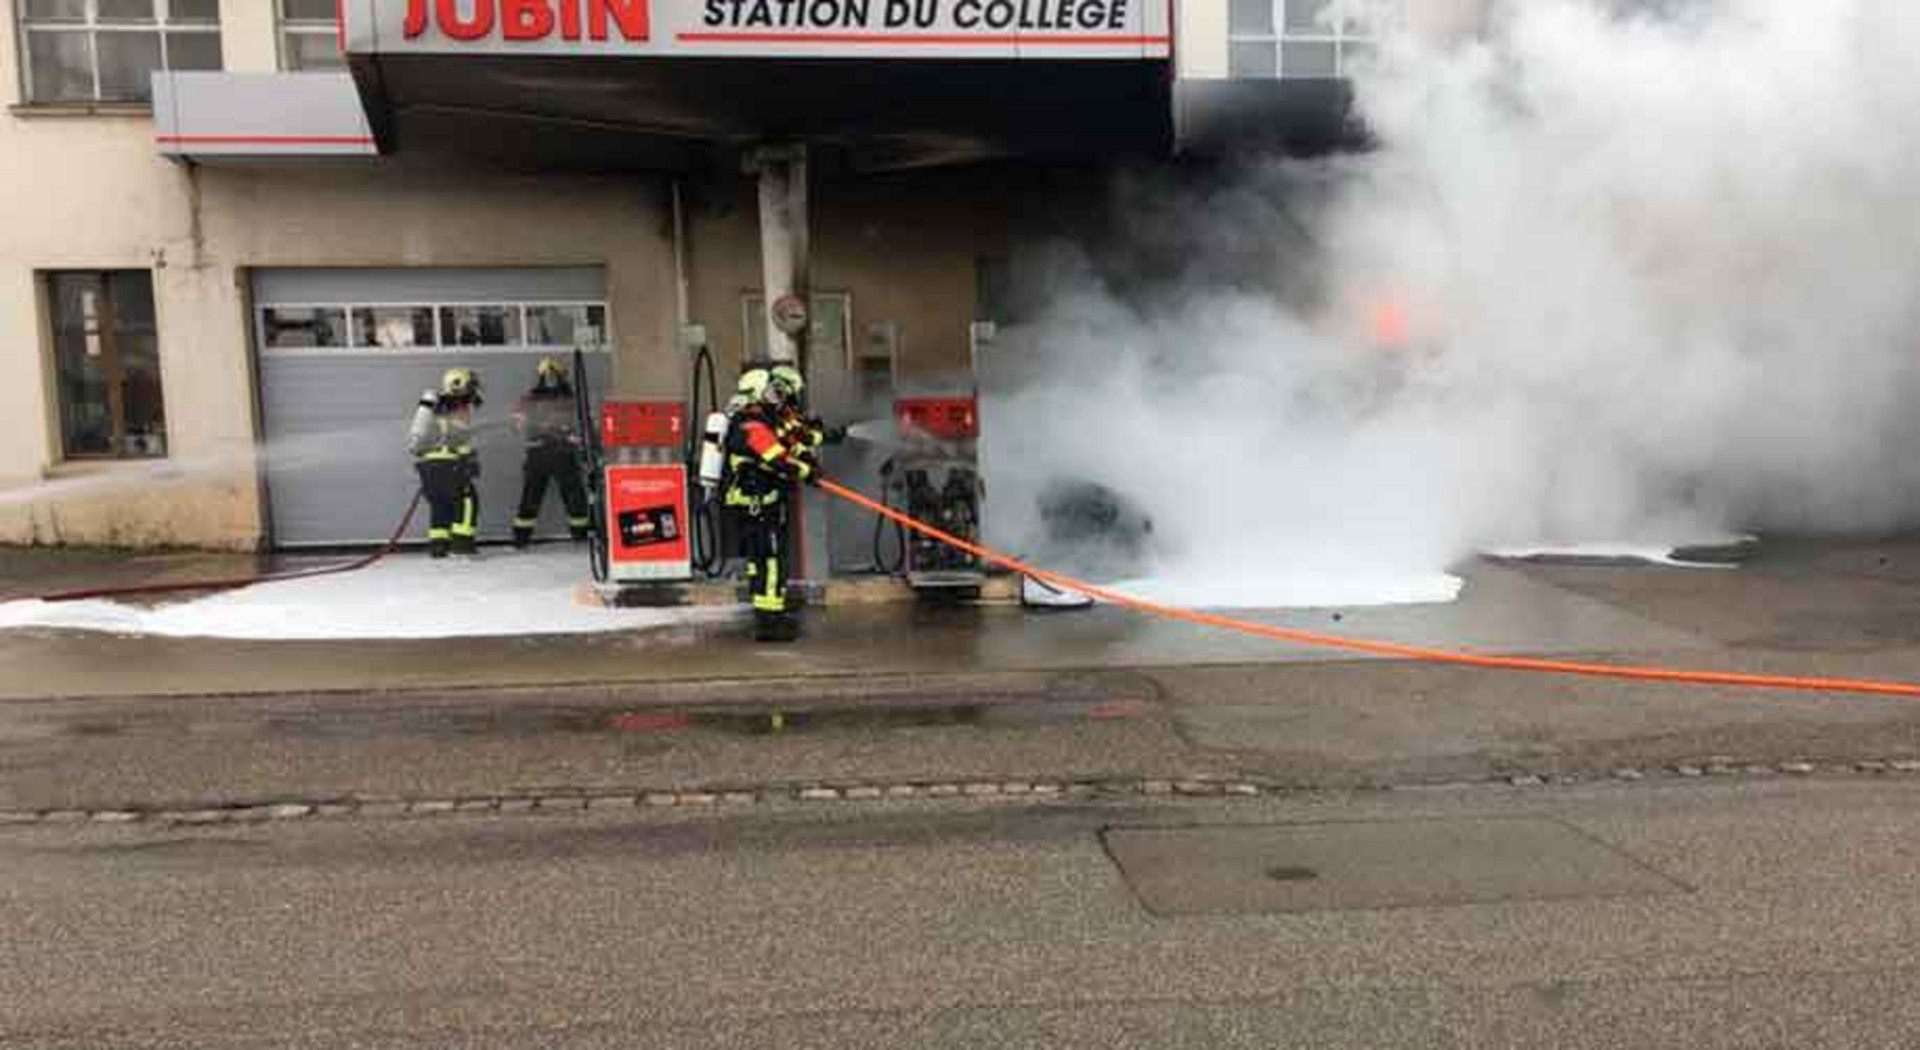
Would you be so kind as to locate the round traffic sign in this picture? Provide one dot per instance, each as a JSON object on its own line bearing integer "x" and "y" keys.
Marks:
{"x": 789, "y": 313}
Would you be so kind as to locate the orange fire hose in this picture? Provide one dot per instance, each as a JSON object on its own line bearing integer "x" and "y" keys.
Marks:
{"x": 1361, "y": 645}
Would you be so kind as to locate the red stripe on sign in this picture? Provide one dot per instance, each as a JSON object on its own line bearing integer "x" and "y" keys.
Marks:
{"x": 340, "y": 24}
{"x": 929, "y": 39}
{"x": 267, "y": 140}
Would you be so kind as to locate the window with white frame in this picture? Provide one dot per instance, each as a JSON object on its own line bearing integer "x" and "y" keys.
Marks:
{"x": 107, "y": 50}
{"x": 1299, "y": 39}
{"x": 309, "y": 36}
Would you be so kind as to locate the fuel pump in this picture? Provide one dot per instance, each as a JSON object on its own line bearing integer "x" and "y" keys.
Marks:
{"x": 643, "y": 521}
{"x": 935, "y": 477}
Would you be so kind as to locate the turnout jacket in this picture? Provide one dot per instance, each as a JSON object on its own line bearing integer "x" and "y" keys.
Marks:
{"x": 441, "y": 429}
{"x": 547, "y": 416}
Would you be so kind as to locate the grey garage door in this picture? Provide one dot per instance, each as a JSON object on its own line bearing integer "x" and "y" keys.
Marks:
{"x": 344, "y": 355}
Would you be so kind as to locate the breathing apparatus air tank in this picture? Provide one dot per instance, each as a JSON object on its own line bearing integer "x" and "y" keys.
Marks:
{"x": 713, "y": 452}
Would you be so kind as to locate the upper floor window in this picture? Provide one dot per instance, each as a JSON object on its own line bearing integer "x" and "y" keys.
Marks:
{"x": 309, "y": 36}
{"x": 1297, "y": 39}
{"x": 107, "y": 50}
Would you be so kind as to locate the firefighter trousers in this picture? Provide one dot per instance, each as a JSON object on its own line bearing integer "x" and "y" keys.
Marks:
{"x": 764, "y": 544}
{"x": 453, "y": 507}
{"x": 559, "y": 463}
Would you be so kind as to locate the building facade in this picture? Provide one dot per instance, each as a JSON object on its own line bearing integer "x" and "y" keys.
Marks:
{"x": 215, "y": 332}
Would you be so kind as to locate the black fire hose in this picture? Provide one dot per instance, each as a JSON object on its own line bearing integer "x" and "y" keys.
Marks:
{"x": 705, "y": 534}
{"x": 228, "y": 583}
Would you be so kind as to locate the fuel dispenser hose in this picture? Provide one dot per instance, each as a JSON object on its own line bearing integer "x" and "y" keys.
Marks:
{"x": 1377, "y": 648}
{"x": 227, "y": 583}
{"x": 704, "y": 536}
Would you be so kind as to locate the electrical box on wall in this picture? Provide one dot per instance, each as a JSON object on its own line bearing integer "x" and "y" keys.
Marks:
{"x": 883, "y": 342}
{"x": 878, "y": 361}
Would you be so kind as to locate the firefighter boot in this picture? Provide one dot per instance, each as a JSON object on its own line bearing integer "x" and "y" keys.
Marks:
{"x": 464, "y": 546}
{"x": 775, "y": 627}
{"x": 437, "y": 548}
{"x": 522, "y": 537}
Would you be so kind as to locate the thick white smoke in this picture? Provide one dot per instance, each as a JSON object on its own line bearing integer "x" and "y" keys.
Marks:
{"x": 1655, "y": 275}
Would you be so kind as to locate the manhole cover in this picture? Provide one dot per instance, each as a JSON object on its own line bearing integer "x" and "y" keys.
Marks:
{"x": 1335, "y": 867}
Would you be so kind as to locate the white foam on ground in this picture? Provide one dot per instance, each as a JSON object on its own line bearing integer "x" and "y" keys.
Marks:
{"x": 1657, "y": 553}
{"x": 404, "y": 596}
{"x": 1295, "y": 591}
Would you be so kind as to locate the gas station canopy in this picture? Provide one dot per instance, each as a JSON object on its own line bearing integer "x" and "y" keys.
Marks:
{"x": 688, "y": 84}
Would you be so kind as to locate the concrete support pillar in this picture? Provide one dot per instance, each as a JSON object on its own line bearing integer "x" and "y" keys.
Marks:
{"x": 782, "y": 171}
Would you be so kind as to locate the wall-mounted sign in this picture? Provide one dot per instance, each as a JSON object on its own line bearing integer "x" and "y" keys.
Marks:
{"x": 789, "y": 313}
{"x": 646, "y": 524}
{"x": 1050, "y": 29}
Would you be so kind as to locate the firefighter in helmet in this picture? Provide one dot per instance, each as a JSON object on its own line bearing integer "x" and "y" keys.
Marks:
{"x": 441, "y": 440}
{"x": 795, "y": 427}
{"x": 762, "y": 469}
{"x": 548, "y": 421}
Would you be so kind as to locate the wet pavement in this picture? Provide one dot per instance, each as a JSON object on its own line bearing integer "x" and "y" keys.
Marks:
{"x": 986, "y": 693}
{"x": 1502, "y": 609}
{"x": 27, "y": 572}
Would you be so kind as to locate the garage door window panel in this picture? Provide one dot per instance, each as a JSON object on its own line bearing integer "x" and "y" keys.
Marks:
{"x": 107, "y": 362}
{"x": 303, "y": 327}
{"x": 480, "y": 325}
{"x": 394, "y": 327}
{"x": 569, "y": 325}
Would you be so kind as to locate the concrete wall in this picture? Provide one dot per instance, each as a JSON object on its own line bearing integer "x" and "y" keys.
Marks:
{"x": 904, "y": 246}
{"x": 85, "y": 190}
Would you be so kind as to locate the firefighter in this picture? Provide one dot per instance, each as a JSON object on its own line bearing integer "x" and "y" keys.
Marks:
{"x": 441, "y": 440}
{"x": 761, "y": 471}
{"x": 547, "y": 419}
{"x": 796, "y": 427}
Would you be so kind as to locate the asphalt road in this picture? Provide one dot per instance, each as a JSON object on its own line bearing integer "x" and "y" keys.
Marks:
{"x": 1715, "y": 877}
{"x": 1705, "y": 914}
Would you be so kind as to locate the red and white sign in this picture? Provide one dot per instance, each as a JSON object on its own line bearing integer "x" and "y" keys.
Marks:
{"x": 647, "y": 523}
{"x": 1122, "y": 29}
{"x": 643, "y": 424}
{"x": 529, "y": 19}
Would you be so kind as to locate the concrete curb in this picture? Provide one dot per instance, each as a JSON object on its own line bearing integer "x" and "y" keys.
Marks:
{"x": 1028, "y": 791}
